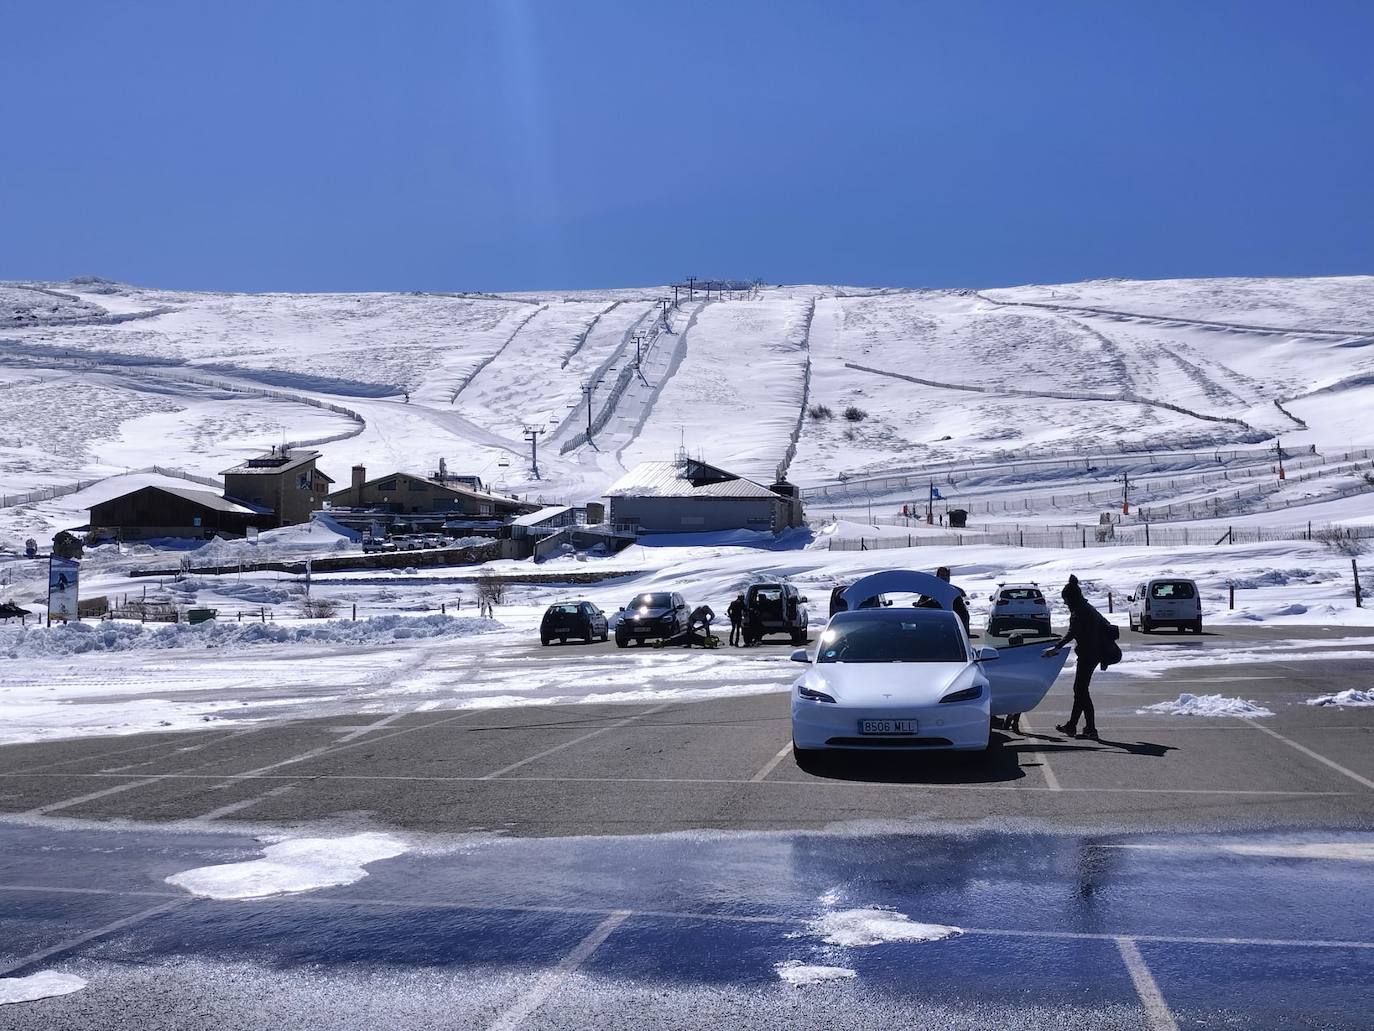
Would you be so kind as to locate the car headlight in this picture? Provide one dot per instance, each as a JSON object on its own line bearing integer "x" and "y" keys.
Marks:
{"x": 968, "y": 694}
{"x": 813, "y": 695}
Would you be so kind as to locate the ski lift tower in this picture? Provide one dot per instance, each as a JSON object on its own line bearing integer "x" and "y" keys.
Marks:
{"x": 532, "y": 435}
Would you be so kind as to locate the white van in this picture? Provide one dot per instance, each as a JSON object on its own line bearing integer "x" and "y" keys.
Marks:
{"x": 1166, "y": 601}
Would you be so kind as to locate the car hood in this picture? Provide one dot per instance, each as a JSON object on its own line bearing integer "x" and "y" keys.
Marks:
{"x": 651, "y": 613}
{"x": 883, "y": 683}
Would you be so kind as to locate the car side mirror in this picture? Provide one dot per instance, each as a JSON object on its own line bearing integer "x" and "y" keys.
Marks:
{"x": 800, "y": 655}
{"x": 804, "y": 600}
{"x": 987, "y": 654}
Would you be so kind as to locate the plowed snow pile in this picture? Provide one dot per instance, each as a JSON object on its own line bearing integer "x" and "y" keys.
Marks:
{"x": 1353, "y": 698}
{"x": 1207, "y": 705}
{"x": 78, "y": 638}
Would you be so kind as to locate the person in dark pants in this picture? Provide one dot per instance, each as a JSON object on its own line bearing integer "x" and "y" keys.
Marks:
{"x": 736, "y": 613}
{"x": 1096, "y": 639}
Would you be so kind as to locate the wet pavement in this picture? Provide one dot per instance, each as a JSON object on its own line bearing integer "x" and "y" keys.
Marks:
{"x": 665, "y": 864}
{"x": 688, "y": 931}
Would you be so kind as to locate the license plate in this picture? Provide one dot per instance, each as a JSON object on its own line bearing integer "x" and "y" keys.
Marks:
{"x": 562, "y": 630}
{"x": 887, "y": 726}
{"x": 643, "y": 630}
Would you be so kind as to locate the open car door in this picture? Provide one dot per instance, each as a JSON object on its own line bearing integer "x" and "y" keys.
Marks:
{"x": 1021, "y": 676}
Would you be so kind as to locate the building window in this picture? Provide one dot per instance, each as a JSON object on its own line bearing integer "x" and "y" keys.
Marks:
{"x": 416, "y": 485}
{"x": 387, "y": 485}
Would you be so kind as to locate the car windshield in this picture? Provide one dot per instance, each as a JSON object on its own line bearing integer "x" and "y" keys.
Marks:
{"x": 563, "y": 610}
{"x": 653, "y": 601}
{"x": 1021, "y": 594}
{"x": 892, "y": 640}
{"x": 1170, "y": 590}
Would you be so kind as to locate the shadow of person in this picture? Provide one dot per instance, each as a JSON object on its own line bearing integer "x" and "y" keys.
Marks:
{"x": 1138, "y": 747}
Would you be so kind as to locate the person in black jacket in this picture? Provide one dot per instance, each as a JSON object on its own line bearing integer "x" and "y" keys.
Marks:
{"x": 736, "y": 613}
{"x": 1096, "y": 645}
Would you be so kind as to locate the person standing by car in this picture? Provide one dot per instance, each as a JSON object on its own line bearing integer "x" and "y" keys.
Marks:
{"x": 959, "y": 606}
{"x": 1096, "y": 639}
{"x": 736, "y": 613}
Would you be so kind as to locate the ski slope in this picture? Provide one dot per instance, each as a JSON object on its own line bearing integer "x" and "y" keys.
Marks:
{"x": 99, "y": 377}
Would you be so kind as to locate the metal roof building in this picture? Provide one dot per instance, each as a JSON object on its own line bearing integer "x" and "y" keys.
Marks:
{"x": 690, "y": 496}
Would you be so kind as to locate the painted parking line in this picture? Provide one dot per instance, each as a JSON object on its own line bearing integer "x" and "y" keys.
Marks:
{"x": 778, "y": 920}
{"x": 1314, "y": 755}
{"x": 1157, "y": 1014}
{"x": 335, "y": 748}
{"x": 90, "y": 936}
{"x": 550, "y": 982}
{"x": 575, "y": 741}
{"x": 237, "y": 807}
{"x": 66, "y": 803}
{"x": 1051, "y": 781}
{"x": 857, "y": 785}
{"x": 358, "y": 732}
{"x": 772, "y": 764}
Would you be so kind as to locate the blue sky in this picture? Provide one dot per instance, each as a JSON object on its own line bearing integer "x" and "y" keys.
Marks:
{"x": 507, "y": 145}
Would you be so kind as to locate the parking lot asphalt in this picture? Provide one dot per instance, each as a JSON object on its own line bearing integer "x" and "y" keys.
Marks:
{"x": 1183, "y": 872}
{"x": 725, "y": 763}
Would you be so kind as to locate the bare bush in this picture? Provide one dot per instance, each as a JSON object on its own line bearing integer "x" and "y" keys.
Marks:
{"x": 819, "y": 412}
{"x": 855, "y": 414}
{"x": 1340, "y": 540}
{"x": 319, "y": 608}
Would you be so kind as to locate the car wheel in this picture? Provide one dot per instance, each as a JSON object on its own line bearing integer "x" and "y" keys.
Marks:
{"x": 807, "y": 759}
{"x": 544, "y": 641}
{"x": 1197, "y": 626}
{"x": 799, "y": 637}
{"x": 562, "y": 640}
{"x": 1145, "y": 626}
{"x": 620, "y": 642}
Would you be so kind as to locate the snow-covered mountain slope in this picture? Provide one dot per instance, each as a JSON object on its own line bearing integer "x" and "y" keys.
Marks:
{"x": 97, "y": 377}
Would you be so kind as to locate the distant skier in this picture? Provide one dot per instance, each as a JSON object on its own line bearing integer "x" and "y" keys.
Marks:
{"x": 736, "y": 614}
{"x": 1097, "y": 646}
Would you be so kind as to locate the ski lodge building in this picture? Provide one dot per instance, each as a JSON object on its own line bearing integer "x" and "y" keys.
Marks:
{"x": 690, "y": 496}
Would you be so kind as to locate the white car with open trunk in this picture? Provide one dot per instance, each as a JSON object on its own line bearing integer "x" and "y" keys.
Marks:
{"x": 909, "y": 678}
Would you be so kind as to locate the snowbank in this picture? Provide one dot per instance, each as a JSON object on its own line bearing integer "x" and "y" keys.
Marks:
{"x": 289, "y": 867}
{"x": 43, "y": 985}
{"x": 79, "y": 638}
{"x": 1353, "y": 698}
{"x": 795, "y": 972}
{"x": 1207, "y": 705}
{"x": 856, "y": 927}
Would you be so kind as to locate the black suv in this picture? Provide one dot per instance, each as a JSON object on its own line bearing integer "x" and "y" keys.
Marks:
{"x": 654, "y": 616}
{"x": 573, "y": 619}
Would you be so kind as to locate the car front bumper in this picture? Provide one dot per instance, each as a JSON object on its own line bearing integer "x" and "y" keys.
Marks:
{"x": 955, "y": 725}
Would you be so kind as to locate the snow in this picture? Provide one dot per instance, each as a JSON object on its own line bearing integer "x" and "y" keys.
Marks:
{"x": 1350, "y": 698}
{"x": 292, "y": 866}
{"x": 43, "y": 985}
{"x": 862, "y": 927}
{"x": 1207, "y": 705}
{"x": 797, "y": 973}
{"x": 113, "y": 636}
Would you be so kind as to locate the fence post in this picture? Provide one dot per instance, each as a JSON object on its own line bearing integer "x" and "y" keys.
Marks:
{"x": 1085, "y": 536}
{"x": 1231, "y": 585}
{"x": 1147, "y": 535}
{"x": 262, "y": 614}
{"x": 1109, "y": 602}
{"x": 355, "y": 612}
{"x": 1355, "y": 572}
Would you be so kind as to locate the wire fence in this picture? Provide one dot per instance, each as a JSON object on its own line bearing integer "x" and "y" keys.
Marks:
{"x": 1112, "y": 537}
{"x": 918, "y": 476}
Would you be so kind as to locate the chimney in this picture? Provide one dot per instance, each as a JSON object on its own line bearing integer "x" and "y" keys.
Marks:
{"x": 359, "y": 478}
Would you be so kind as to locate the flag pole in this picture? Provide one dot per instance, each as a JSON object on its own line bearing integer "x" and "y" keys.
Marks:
{"x": 930, "y": 505}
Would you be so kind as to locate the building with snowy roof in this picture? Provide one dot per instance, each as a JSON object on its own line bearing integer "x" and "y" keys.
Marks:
{"x": 690, "y": 496}
{"x": 283, "y": 481}
{"x": 162, "y": 511}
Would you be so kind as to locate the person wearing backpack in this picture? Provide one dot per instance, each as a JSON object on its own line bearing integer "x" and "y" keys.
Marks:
{"x": 1096, "y": 640}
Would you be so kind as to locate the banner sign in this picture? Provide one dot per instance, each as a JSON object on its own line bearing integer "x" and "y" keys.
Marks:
{"x": 63, "y": 574}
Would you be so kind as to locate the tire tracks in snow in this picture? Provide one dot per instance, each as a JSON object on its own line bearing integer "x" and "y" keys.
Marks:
{"x": 1252, "y": 434}
{"x": 1206, "y": 323}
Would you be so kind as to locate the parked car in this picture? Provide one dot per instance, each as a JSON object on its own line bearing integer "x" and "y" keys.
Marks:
{"x": 569, "y": 619}
{"x": 376, "y": 544}
{"x": 909, "y": 679}
{"x": 774, "y": 609}
{"x": 1019, "y": 609}
{"x": 1166, "y": 601}
{"x": 653, "y": 616}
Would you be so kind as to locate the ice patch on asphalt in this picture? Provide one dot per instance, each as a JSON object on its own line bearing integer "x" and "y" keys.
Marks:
{"x": 795, "y": 972}
{"x": 1360, "y": 851}
{"x": 1206, "y": 705}
{"x": 44, "y": 985}
{"x": 856, "y": 927}
{"x": 289, "y": 867}
{"x": 1353, "y": 698}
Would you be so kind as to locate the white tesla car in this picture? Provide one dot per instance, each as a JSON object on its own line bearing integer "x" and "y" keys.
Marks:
{"x": 909, "y": 678}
